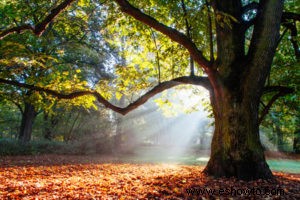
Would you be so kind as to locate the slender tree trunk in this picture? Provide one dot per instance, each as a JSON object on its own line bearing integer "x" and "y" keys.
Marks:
{"x": 296, "y": 143}
{"x": 49, "y": 122}
{"x": 47, "y": 128}
{"x": 28, "y": 117}
{"x": 279, "y": 138}
{"x": 69, "y": 135}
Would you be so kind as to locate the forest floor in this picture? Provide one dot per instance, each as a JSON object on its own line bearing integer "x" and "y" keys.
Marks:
{"x": 108, "y": 177}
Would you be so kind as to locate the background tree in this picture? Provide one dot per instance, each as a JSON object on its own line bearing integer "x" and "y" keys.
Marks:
{"x": 53, "y": 60}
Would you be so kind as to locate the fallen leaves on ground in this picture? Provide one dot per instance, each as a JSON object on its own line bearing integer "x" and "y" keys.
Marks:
{"x": 92, "y": 177}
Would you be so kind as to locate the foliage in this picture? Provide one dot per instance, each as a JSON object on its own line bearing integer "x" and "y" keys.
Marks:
{"x": 74, "y": 131}
{"x": 148, "y": 56}
{"x": 9, "y": 119}
{"x": 54, "y": 61}
{"x": 183, "y": 100}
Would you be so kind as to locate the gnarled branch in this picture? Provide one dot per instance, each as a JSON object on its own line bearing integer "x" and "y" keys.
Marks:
{"x": 195, "y": 80}
{"x": 39, "y": 28}
{"x": 282, "y": 91}
{"x": 172, "y": 33}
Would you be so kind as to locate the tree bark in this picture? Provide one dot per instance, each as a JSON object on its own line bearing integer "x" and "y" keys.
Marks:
{"x": 236, "y": 150}
{"x": 28, "y": 117}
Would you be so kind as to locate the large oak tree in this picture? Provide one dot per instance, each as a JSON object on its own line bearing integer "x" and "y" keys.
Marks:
{"x": 242, "y": 37}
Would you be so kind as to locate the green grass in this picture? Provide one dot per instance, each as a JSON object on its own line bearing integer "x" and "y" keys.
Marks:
{"x": 285, "y": 165}
{"x": 280, "y": 165}
{"x": 158, "y": 155}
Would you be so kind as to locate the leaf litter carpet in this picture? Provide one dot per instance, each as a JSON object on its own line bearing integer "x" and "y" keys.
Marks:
{"x": 98, "y": 177}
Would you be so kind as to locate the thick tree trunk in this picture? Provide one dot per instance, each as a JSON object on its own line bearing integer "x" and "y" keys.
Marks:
{"x": 28, "y": 117}
{"x": 236, "y": 150}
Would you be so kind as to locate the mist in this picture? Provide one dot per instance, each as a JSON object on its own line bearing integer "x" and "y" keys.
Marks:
{"x": 168, "y": 130}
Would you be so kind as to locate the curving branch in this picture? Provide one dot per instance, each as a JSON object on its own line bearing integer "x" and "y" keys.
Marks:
{"x": 281, "y": 91}
{"x": 39, "y": 28}
{"x": 172, "y": 33}
{"x": 195, "y": 80}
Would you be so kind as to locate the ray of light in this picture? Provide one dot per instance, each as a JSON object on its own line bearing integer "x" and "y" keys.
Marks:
{"x": 159, "y": 137}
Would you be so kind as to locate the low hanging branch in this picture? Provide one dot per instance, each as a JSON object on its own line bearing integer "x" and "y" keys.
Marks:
{"x": 282, "y": 91}
{"x": 39, "y": 28}
{"x": 195, "y": 80}
{"x": 178, "y": 37}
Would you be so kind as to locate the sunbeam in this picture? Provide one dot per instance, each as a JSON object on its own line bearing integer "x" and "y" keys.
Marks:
{"x": 171, "y": 131}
